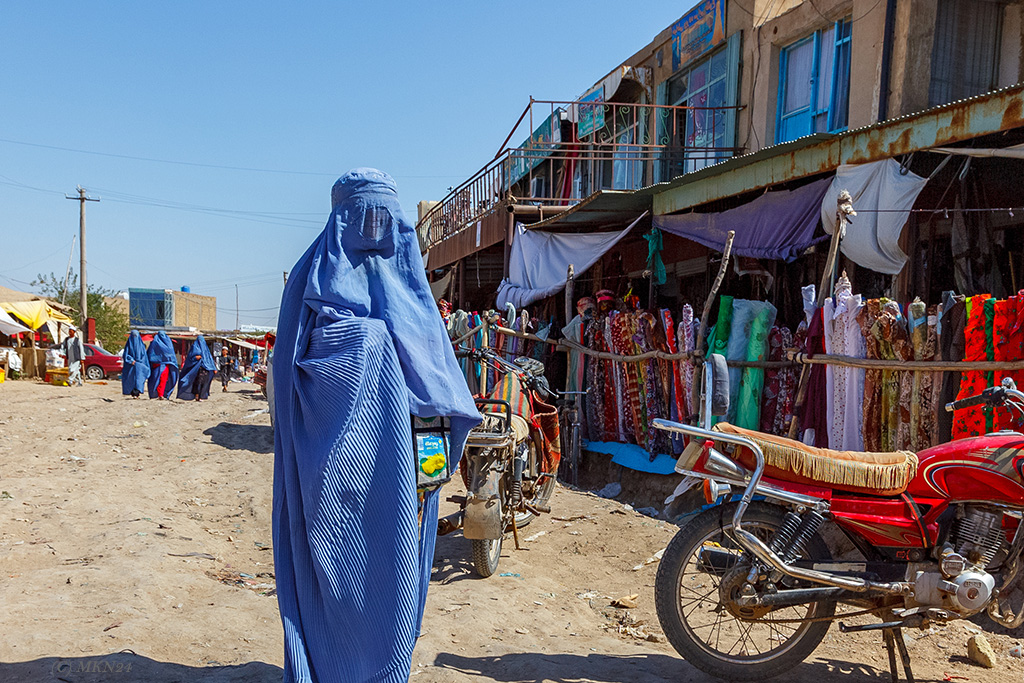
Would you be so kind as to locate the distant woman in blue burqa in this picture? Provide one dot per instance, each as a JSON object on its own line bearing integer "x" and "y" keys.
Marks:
{"x": 163, "y": 366}
{"x": 196, "y": 372}
{"x": 360, "y": 348}
{"x": 135, "y": 369}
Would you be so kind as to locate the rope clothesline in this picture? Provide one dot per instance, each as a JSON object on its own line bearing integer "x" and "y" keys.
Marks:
{"x": 795, "y": 358}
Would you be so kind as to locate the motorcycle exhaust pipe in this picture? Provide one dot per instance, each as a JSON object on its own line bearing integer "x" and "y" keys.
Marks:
{"x": 452, "y": 522}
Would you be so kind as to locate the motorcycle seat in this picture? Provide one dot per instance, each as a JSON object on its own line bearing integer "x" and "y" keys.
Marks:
{"x": 880, "y": 474}
{"x": 520, "y": 427}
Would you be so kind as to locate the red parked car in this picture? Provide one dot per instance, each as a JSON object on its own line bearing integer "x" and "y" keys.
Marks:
{"x": 100, "y": 363}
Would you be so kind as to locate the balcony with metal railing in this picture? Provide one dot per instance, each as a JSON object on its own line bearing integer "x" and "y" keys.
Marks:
{"x": 578, "y": 148}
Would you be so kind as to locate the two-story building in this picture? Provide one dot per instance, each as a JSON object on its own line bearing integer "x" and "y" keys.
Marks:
{"x": 743, "y": 97}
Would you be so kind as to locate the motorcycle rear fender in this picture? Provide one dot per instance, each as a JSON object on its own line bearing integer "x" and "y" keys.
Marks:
{"x": 482, "y": 518}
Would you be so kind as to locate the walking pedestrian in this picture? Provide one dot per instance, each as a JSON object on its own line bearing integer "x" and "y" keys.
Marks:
{"x": 197, "y": 372}
{"x": 135, "y": 369}
{"x": 361, "y": 350}
{"x": 226, "y": 365}
{"x": 74, "y": 352}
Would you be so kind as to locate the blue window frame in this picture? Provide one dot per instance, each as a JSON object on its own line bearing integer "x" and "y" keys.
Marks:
{"x": 814, "y": 83}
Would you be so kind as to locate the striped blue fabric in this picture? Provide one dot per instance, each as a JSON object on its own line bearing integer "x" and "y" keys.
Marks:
{"x": 360, "y": 348}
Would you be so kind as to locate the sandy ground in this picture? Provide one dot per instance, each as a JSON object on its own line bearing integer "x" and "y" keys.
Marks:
{"x": 135, "y": 546}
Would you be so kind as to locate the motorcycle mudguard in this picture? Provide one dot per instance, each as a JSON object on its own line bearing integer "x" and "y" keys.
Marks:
{"x": 482, "y": 517}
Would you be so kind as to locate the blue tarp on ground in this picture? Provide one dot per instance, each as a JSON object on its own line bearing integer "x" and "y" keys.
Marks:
{"x": 633, "y": 457}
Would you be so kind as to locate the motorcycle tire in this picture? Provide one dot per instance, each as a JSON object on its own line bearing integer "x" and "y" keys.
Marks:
{"x": 486, "y": 555}
{"x": 683, "y": 598}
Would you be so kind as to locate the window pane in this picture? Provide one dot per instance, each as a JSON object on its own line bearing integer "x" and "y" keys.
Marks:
{"x": 677, "y": 89}
{"x": 699, "y": 77}
{"x": 841, "y": 98}
{"x": 716, "y": 94}
{"x": 799, "y": 59}
{"x": 965, "y": 54}
{"x": 823, "y": 94}
{"x": 718, "y": 65}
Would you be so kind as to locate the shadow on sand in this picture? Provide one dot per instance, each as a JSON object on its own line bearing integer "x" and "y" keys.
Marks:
{"x": 128, "y": 667}
{"x": 236, "y": 437}
{"x": 538, "y": 667}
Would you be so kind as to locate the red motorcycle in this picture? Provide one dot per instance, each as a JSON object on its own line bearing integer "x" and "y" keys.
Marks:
{"x": 747, "y": 588}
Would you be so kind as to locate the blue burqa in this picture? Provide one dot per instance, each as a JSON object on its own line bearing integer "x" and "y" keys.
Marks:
{"x": 360, "y": 348}
{"x": 136, "y": 365}
{"x": 192, "y": 383}
{"x": 163, "y": 366}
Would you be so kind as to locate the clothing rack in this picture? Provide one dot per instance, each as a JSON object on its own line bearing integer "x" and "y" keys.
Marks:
{"x": 795, "y": 358}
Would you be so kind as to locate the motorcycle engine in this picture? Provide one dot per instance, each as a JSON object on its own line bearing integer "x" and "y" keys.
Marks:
{"x": 962, "y": 584}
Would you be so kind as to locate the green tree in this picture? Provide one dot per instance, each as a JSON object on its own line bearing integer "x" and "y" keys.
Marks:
{"x": 111, "y": 324}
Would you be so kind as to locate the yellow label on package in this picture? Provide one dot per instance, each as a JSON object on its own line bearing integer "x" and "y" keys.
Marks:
{"x": 430, "y": 450}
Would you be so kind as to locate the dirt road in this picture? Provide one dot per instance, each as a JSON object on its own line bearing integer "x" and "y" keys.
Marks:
{"x": 135, "y": 546}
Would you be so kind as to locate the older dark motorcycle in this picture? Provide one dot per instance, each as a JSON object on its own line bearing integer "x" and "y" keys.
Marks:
{"x": 747, "y": 590}
{"x": 503, "y": 463}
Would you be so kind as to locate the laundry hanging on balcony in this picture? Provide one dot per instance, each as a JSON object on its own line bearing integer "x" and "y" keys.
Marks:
{"x": 872, "y": 236}
{"x": 539, "y": 261}
{"x": 776, "y": 225}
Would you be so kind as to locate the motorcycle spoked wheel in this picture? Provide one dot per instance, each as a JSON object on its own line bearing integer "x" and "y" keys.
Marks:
{"x": 699, "y": 624}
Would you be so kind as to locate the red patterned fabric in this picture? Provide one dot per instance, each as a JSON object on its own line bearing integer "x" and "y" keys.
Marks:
{"x": 971, "y": 421}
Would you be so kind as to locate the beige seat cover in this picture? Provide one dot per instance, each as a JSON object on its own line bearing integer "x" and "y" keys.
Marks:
{"x": 882, "y": 474}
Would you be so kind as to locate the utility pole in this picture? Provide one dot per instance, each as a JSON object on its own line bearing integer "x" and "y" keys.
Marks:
{"x": 236, "y": 307}
{"x": 82, "y": 199}
{"x": 67, "y": 273}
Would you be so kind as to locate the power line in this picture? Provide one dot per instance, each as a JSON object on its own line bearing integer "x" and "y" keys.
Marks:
{"x": 199, "y": 164}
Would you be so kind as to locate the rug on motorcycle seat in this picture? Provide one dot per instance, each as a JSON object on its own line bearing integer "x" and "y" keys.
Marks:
{"x": 546, "y": 416}
{"x": 880, "y": 474}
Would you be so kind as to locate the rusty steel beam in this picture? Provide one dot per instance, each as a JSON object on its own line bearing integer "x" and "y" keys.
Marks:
{"x": 941, "y": 126}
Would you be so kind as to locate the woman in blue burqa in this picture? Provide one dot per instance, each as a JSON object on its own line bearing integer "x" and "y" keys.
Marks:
{"x": 163, "y": 366}
{"x": 135, "y": 369}
{"x": 360, "y": 349}
{"x": 196, "y": 372}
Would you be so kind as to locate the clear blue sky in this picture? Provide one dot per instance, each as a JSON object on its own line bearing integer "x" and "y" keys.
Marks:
{"x": 425, "y": 91}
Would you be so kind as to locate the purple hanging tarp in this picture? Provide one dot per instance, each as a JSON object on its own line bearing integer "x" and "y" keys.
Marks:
{"x": 776, "y": 225}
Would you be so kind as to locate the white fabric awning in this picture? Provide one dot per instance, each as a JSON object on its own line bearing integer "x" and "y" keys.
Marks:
{"x": 539, "y": 263}
{"x": 9, "y": 325}
{"x": 243, "y": 344}
{"x": 883, "y": 197}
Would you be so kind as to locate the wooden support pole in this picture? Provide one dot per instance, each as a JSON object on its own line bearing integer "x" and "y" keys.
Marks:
{"x": 844, "y": 209}
{"x": 702, "y": 331}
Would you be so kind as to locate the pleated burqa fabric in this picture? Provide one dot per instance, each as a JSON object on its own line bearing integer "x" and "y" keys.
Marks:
{"x": 136, "y": 365}
{"x": 360, "y": 348}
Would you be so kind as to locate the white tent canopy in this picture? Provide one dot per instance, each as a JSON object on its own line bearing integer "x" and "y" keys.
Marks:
{"x": 9, "y": 325}
{"x": 539, "y": 263}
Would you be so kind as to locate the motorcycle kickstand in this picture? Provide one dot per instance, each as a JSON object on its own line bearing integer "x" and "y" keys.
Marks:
{"x": 894, "y": 640}
{"x": 515, "y": 532}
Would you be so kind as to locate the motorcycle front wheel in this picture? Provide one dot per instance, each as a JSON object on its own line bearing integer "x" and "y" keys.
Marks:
{"x": 693, "y": 610}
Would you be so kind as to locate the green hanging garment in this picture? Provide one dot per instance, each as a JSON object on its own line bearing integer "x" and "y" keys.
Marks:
{"x": 748, "y": 412}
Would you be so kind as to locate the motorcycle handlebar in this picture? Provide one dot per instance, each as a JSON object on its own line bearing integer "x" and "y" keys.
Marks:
{"x": 992, "y": 396}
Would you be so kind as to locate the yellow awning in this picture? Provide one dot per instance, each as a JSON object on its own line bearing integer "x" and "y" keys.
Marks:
{"x": 35, "y": 314}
